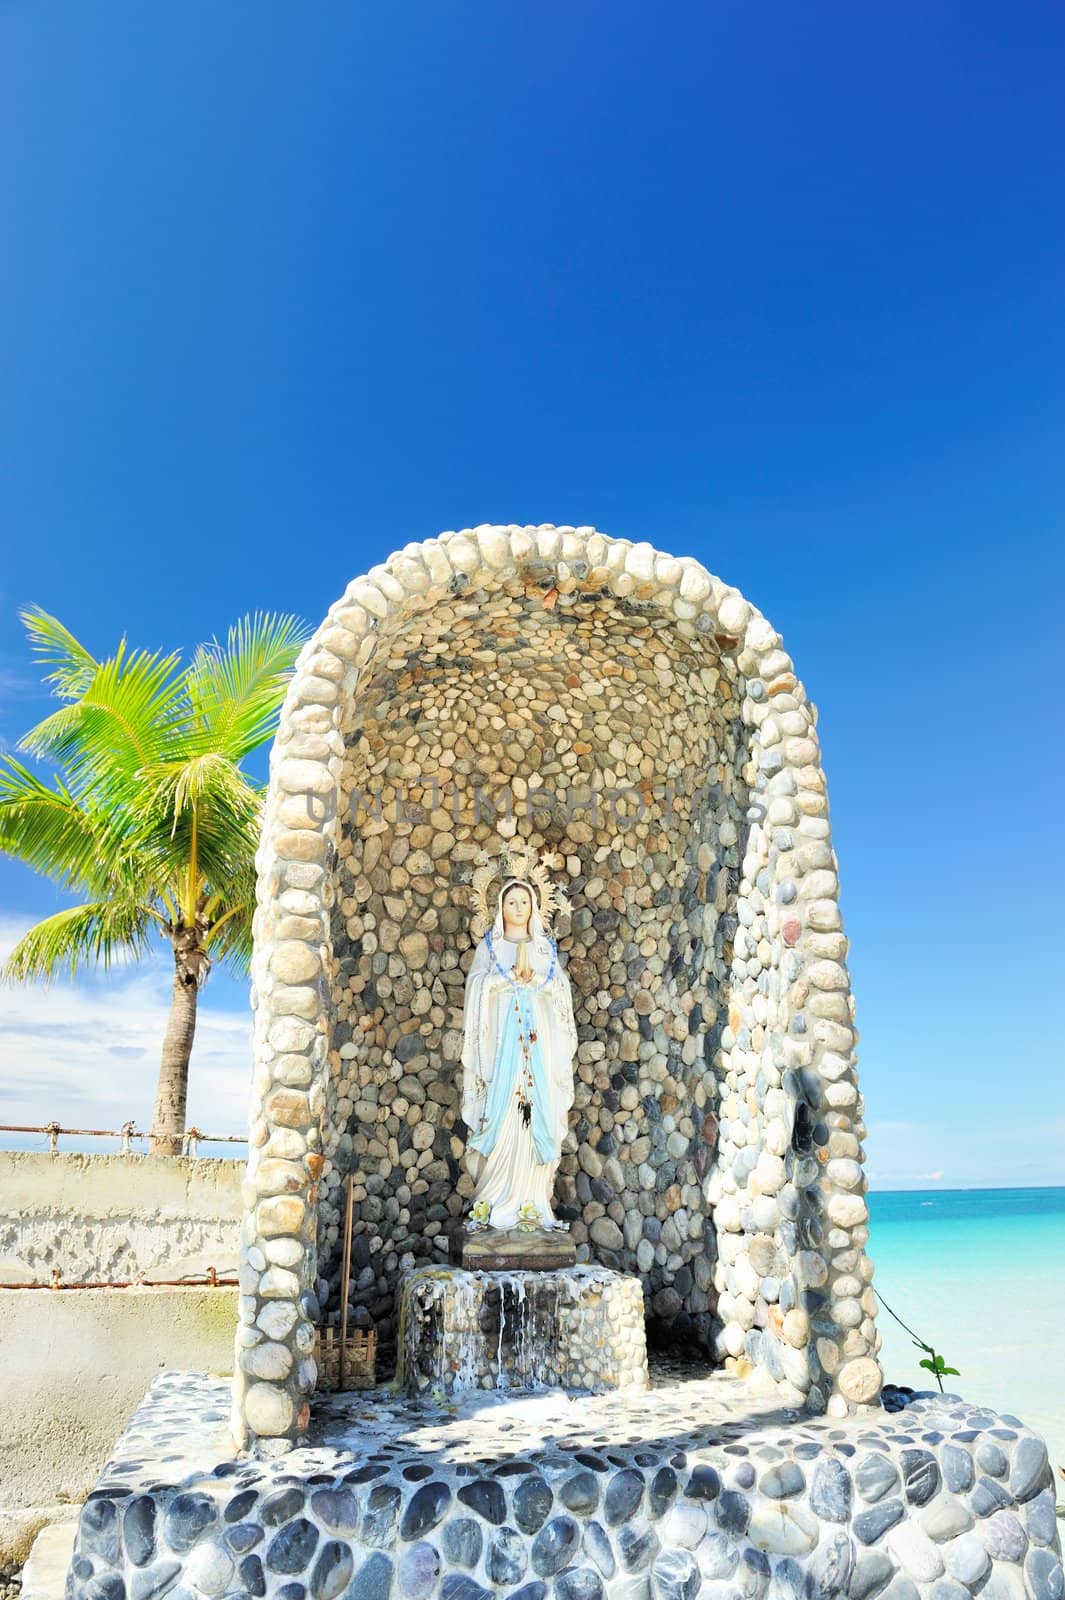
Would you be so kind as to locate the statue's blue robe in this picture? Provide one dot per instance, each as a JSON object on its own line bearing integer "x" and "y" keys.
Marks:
{"x": 520, "y": 1017}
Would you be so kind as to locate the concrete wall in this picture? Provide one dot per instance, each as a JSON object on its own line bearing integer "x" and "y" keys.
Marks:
{"x": 75, "y": 1365}
{"x": 111, "y": 1217}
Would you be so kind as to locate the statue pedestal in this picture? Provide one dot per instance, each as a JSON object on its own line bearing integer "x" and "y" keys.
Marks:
{"x": 517, "y": 1250}
{"x": 577, "y": 1328}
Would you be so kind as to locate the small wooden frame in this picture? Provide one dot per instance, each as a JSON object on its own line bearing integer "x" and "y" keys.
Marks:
{"x": 345, "y": 1364}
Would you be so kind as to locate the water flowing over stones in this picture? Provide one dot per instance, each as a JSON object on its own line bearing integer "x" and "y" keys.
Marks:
{"x": 579, "y": 1328}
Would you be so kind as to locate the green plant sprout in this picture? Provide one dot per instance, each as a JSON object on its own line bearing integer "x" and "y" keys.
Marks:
{"x": 933, "y": 1361}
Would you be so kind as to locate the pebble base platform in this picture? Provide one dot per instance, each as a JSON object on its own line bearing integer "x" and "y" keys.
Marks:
{"x": 697, "y": 1489}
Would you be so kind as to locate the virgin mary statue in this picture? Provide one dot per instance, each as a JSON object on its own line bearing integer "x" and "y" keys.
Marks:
{"x": 519, "y": 1040}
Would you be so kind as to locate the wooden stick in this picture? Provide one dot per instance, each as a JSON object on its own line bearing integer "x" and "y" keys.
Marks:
{"x": 345, "y": 1281}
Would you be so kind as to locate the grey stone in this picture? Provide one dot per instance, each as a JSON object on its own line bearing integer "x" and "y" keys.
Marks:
{"x": 732, "y": 1513}
{"x": 463, "y": 1542}
{"x": 138, "y": 1529}
{"x": 332, "y": 1571}
{"x": 945, "y": 1518}
{"x": 596, "y": 1544}
{"x": 920, "y": 1476}
{"x": 1004, "y": 1538}
{"x": 910, "y": 1545}
{"x": 1044, "y": 1574}
{"x": 292, "y": 1547}
{"x": 252, "y": 1576}
{"x": 579, "y": 1493}
{"x": 830, "y": 1491}
{"x": 486, "y": 1497}
{"x": 241, "y": 1504}
{"x": 684, "y": 1524}
{"x": 380, "y": 1514}
{"x": 426, "y": 1507}
{"x": 957, "y": 1468}
{"x": 507, "y": 1556}
{"x": 579, "y": 1583}
{"x": 832, "y": 1566}
{"x": 704, "y": 1483}
{"x": 1040, "y": 1517}
{"x": 156, "y": 1580}
{"x": 637, "y": 1544}
{"x": 109, "y": 1586}
{"x": 418, "y": 1571}
{"x": 675, "y": 1576}
{"x": 875, "y": 1476}
{"x": 968, "y": 1560}
{"x": 555, "y": 1546}
{"x": 1005, "y": 1583}
{"x": 243, "y": 1536}
{"x": 871, "y": 1525}
{"x": 187, "y": 1519}
{"x": 278, "y": 1508}
{"x": 991, "y": 1458}
{"x": 902, "y": 1588}
{"x": 718, "y": 1556}
{"x": 624, "y": 1494}
{"x": 752, "y": 1575}
{"x": 871, "y": 1573}
{"x": 337, "y": 1508}
{"x": 783, "y": 1481}
{"x": 947, "y": 1589}
{"x": 1030, "y": 1468}
{"x": 456, "y": 1586}
{"x": 989, "y": 1496}
{"x": 662, "y": 1491}
{"x": 532, "y": 1504}
{"x": 788, "y": 1581}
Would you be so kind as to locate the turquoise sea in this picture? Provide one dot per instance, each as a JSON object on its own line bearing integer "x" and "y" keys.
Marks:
{"x": 980, "y": 1274}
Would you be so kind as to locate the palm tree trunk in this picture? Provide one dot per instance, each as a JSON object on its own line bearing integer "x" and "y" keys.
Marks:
{"x": 168, "y": 1118}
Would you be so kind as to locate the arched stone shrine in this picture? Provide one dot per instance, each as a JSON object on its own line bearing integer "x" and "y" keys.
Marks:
{"x": 630, "y": 713}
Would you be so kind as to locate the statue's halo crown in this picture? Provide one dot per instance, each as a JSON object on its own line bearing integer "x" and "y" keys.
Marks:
{"x": 516, "y": 860}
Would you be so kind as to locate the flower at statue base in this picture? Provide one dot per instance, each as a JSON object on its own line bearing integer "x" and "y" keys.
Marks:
{"x": 478, "y": 1217}
{"x": 529, "y": 1219}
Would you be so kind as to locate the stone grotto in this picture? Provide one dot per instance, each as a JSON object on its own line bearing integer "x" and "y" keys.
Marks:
{"x": 630, "y": 719}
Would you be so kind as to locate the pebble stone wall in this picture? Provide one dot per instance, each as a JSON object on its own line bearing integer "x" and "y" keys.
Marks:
{"x": 629, "y": 711}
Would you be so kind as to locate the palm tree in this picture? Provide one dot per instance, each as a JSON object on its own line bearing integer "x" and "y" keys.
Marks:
{"x": 151, "y": 819}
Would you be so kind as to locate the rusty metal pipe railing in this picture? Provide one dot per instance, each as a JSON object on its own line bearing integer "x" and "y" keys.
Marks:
{"x": 127, "y": 1133}
{"x": 205, "y": 1280}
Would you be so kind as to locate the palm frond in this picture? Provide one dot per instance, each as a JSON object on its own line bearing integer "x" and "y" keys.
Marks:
{"x": 80, "y": 936}
{"x": 231, "y": 939}
{"x": 209, "y": 782}
{"x": 235, "y": 691}
{"x": 56, "y": 647}
{"x": 130, "y": 714}
{"x": 53, "y": 832}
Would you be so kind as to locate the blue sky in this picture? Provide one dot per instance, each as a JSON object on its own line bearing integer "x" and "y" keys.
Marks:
{"x": 779, "y": 287}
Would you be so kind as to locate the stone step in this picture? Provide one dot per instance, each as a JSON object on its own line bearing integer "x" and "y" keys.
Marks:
{"x": 44, "y": 1576}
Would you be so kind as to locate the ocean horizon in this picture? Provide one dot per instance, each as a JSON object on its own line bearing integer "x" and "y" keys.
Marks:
{"x": 980, "y": 1275}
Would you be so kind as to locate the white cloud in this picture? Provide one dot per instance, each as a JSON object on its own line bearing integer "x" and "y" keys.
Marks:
{"x": 87, "y": 1054}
